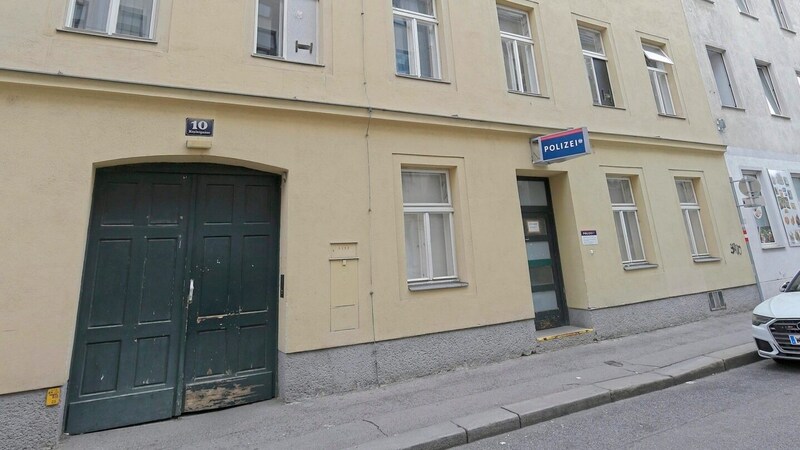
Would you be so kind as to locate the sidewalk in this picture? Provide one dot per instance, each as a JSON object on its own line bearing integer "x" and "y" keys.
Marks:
{"x": 450, "y": 408}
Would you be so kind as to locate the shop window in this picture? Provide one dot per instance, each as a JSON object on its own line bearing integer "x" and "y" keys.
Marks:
{"x": 690, "y": 207}
{"x": 416, "y": 38}
{"x": 596, "y": 61}
{"x": 287, "y": 29}
{"x": 429, "y": 233}
{"x": 129, "y": 18}
{"x": 763, "y": 224}
{"x": 517, "y": 44}
{"x": 770, "y": 94}
{"x": 659, "y": 66}
{"x": 626, "y": 219}
{"x": 721, "y": 77}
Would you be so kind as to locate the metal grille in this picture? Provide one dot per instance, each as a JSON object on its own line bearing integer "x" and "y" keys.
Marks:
{"x": 715, "y": 301}
{"x": 781, "y": 329}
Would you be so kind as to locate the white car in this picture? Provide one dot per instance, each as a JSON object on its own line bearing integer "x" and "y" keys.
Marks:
{"x": 776, "y": 324}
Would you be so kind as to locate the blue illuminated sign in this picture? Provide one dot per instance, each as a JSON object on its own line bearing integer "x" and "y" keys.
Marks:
{"x": 562, "y": 146}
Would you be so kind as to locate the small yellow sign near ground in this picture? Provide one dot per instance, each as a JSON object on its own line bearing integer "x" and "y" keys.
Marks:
{"x": 53, "y": 397}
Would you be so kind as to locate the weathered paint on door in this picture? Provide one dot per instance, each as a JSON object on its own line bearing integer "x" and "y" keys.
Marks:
{"x": 156, "y": 230}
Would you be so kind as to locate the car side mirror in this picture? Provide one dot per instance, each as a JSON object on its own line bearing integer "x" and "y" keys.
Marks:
{"x": 785, "y": 286}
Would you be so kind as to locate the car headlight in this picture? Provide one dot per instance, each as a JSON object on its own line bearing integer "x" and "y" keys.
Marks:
{"x": 760, "y": 320}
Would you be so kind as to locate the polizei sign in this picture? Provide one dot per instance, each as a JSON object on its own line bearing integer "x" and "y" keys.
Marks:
{"x": 561, "y": 146}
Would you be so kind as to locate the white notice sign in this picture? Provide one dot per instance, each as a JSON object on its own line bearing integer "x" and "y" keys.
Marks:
{"x": 589, "y": 237}
{"x": 534, "y": 227}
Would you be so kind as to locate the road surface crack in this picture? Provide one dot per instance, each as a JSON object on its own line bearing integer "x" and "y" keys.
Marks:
{"x": 376, "y": 426}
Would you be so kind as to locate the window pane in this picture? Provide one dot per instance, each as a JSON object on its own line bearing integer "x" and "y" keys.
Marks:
{"x": 591, "y": 41}
{"x": 764, "y": 228}
{"x": 697, "y": 232}
{"x": 544, "y": 301}
{"x": 402, "y": 45}
{"x": 532, "y": 193}
{"x": 634, "y": 238}
{"x": 513, "y": 22}
{"x": 666, "y": 96}
{"x": 424, "y": 187}
{"x": 441, "y": 246}
{"x": 587, "y": 60}
{"x": 656, "y": 93}
{"x": 269, "y": 39}
{"x": 742, "y": 4}
{"x": 134, "y": 18}
{"x": 528, "y": 67}
{"x": 419, "y": 6}
{"x": 685, "y": 191}
{"x": 621, "y": 237}
{"x": 428, "y": 52}
{"x": 779, "y": 13}
{"x": 415, "y": 250}
{"x": 603, "y": 82}
{"x": 510, "y": 63}
{"x": 537, "y": 250}
{"x": 620, "y": 191}
{"x": 769, "y": 90}
{"x": 90, "y": 15}
{"x": 721, "y": 78}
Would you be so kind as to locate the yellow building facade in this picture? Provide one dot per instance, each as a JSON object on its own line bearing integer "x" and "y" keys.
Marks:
{"x": 407, "y": 229}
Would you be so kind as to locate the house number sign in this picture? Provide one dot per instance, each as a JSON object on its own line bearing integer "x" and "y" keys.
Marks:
{"x": 199, "y": 127}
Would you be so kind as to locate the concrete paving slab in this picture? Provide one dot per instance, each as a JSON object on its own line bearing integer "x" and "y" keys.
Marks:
{"x": 634, "y": 385}
{"x": 556, "y": 405}
{"x": 440, "y": 436}
{"x": 488, "y": 423}
{"x": 738, "y": 356}
{"x": 692, "y": 369}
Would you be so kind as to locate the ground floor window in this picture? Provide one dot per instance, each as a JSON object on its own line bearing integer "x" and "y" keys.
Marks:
{"x": 691, "y": 217}
{"x": 626, "y": 219}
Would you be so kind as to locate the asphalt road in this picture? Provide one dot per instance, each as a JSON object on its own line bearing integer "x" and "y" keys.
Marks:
{"x": 753, "y": 407}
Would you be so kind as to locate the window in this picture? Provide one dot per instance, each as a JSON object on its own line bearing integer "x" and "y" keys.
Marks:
{"x": 723, "y": 80}
{"x": 691, "y": 217}
{"x": 287, "y": 29}
{"x": 416, "y": 38}
{"x": 515, "y": 37}
{"x": 626, "y": 219}
{"x": 743, "y": 6}
{"x": 594, "y": 57}
{"x": 769, "y": 89}
{"x": 765, "y": 234}
{"x": 428, "y": 216}
{"x": 797, "y": 75}
{"x": 657, "y": 64}
{"x": 132, "y": 18}
{"x": 780, "y": 13}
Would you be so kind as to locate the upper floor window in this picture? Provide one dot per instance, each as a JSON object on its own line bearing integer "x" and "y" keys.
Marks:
{"x": 517, "y": 43}
{"x": 780, "y": 13}
{"x": 658, "y": 66}
{"x": 744, "y": 7}
{"x": 594, "y": 56}
{"x": 721, "y": 77}
{"x": 770, "y": 94}
{"x": 416, "y": 38}
{"x": 133, "y": 18}
{"x": 287, "y": 29}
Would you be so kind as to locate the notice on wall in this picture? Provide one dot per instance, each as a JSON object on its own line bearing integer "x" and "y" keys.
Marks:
{"x": 589, "y": 237}
{"x": 534, "y": 227}
{"x": 786, "y": 197}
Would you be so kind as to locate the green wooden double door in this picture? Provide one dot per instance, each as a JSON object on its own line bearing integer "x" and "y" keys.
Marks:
{"x": 178, "y": 307}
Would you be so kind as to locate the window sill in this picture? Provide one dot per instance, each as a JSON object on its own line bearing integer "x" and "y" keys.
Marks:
{"x": 640, "y": 266}
{"x": 528, "y": 94}
{"x": 772, "y": 246}
{"x": 619, "y": 108}
{"x": 671, "y": 116}
{"x": 110, "y": 36}
{"x": 788, "y": 30}
{"x": 781, "y": 116}
{"x": 705, "y": 259}
{"x": 748, "y": 15}
{"x": 433, "y": 285}
{"x": 278, "y": 58}
{"x": 412, "y": 77}
{"x": 734, "y": 108}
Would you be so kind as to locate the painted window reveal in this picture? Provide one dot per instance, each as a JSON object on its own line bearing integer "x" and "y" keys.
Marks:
{"x": 690, "y": 208}
{"x": 770, "y": 94}
{"x": 133, "y": 18}
{"x": 428, "y": 216}
{"x": 626, "y": 219}
{"x": 722, "y": 77}
{"x": 658, "y": 65}
{"x": 288, "y": 29}
{"x": 416, "y": 38}
{"x": 596, "y": 61}
{"x": 517, "y": 44}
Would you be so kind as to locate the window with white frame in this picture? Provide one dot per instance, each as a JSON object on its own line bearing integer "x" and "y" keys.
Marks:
{"x": 596, "y": 61}
{"x": 428, "y": 217}
{"x": 517, "y": 43}
{"x": 721, "y": 77}
{"x": 744, "y": 7}
{"x": 797, "y": 75}
{"x": 770, "y": 94}
{"x": 130, "y": 18}
{"x": 763, "y": 225}
{"x": 657, "y": 64}
{"x": 626, "y": 219}
{"x": 780, "y": 13}
{"x": 691, "y": 217}
{"x": 287, "y": 29}
{"x": 416, "y": 38}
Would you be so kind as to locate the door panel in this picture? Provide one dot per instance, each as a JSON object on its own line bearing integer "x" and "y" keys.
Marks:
{"x": 128, "y": 331}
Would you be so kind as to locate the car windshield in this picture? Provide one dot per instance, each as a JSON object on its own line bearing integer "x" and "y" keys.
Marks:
{"x": 794, "y": 286}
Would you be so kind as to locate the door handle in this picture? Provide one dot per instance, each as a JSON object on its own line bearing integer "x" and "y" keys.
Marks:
{"x": 191, "y": 292}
